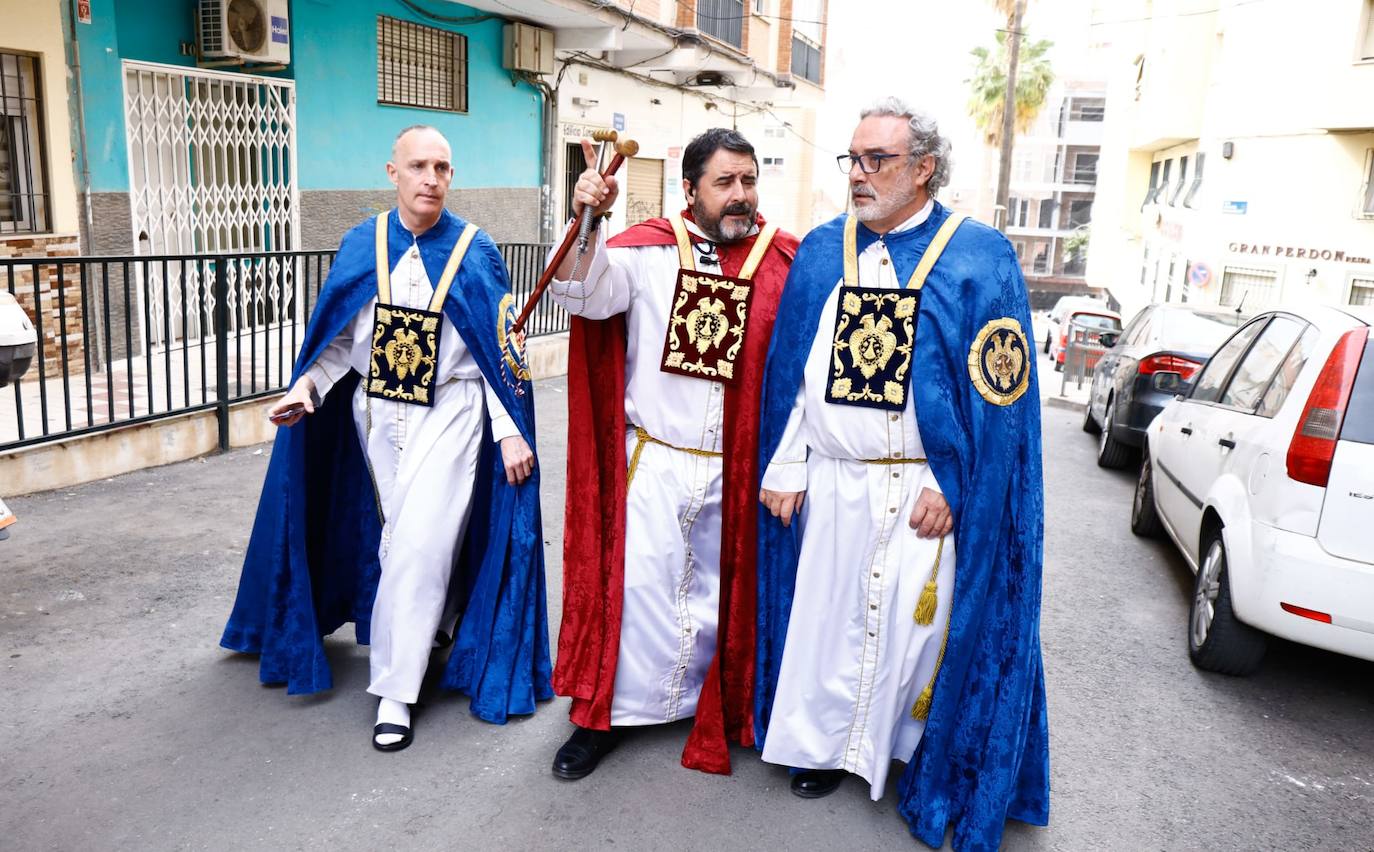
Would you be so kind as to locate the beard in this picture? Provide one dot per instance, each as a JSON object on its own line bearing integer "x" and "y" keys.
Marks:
{"x": 715, "y": 226}
{"x": 881, "y": 206}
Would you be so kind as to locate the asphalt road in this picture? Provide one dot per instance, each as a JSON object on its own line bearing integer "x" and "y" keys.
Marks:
{"x": 125, "y": 726}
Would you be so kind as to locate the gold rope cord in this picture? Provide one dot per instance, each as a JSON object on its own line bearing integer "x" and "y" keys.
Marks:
{"x": 921, "y": 710}
{"x": 642, "y": 437}
{"x": 925, "y": 609}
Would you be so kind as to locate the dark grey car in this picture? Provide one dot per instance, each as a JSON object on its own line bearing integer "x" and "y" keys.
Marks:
{"x": 1148, "y": 362}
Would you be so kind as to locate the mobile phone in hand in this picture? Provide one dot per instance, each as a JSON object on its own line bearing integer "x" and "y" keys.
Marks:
{"x": 287, "y": 413}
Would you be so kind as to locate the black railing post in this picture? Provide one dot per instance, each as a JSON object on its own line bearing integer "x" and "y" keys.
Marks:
{"x": 221, "y": 289}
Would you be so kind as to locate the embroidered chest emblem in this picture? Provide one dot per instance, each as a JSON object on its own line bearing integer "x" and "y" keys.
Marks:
{"x": 405, "y": 354}
{"x": 999, "y": 362}
{"x": 875, "y": 330}
{"x": 706, "y": 329}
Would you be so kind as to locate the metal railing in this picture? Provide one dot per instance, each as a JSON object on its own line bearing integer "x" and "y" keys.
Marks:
{"x": 1082, "y": 350}
{"x": 130, "y": 339}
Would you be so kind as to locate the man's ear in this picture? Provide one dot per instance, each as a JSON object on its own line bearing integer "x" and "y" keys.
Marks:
{"x": 391, "y": 173}
{"x": 687, "y": 192}
{"x": 924, "y": 169}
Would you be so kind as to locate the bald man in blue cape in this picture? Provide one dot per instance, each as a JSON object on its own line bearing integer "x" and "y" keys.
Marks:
{"x": 408, "y": 502}
{"x": 899, "y": 604}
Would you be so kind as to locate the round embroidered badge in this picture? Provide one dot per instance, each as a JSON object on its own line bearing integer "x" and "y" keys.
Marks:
{"x": 999, "y": 363}
{"x": 514, "y": 367}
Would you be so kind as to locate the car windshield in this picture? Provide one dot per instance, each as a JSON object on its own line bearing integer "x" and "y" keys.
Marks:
{"x": 1195, "y": 331}
{"x": 1097, "y": 321}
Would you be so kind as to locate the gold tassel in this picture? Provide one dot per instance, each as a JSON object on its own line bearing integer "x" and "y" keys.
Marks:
{"x": 921, "y": 711}
{"x": 925, "y": 607}
{"x": 927, "y": 603}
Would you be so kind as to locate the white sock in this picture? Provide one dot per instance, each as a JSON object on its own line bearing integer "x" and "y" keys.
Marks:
{"x": 395, "y": 712}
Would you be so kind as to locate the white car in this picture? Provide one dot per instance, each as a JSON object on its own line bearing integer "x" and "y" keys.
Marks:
{"x": 1263, "y": 476}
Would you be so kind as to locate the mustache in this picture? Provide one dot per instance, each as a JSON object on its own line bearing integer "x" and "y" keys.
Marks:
{"x": 863, "y": 191}
{"x": 737, "y": 210}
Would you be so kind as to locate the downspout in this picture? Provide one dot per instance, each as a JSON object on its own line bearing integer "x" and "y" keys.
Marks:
{"x": 81, "y": 129}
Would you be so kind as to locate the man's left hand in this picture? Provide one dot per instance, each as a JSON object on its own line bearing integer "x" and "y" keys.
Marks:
{"x": 931, "y": 518}
{"x": 518, "y": 458}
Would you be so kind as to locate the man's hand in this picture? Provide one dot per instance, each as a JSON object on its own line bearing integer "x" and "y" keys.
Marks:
{"x": 931, "y": 517}
{"x": 518, "y": 458}
{"x": 297, "y": 403}
{"x": 783, "y": 504}
{"x": 593, "y": 190}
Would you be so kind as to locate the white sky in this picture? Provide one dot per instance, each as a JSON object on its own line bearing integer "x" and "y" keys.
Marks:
{"x": 919, "y": 51}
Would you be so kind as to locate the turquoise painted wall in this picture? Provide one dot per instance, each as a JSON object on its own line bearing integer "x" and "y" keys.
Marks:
{"x": 344, "y": 136}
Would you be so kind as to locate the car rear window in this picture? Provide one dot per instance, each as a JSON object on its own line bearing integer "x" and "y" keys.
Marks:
{"x": 1192, "y": 331}
{"x": 1359, "y": 414}
{"x": 1096, "y": 321}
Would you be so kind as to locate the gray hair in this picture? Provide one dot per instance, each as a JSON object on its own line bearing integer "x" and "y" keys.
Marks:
{"x": 925, "y": 137}
{"x": 412, "y": 128}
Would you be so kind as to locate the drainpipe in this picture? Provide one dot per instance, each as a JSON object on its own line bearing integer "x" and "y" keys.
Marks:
{"x": 548, "y": 155}
{"x": 81, "y": 128}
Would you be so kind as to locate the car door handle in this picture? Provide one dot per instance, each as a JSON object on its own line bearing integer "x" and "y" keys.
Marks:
{"x": 1187, "y": 430}
{"x": 1227, "y": 443}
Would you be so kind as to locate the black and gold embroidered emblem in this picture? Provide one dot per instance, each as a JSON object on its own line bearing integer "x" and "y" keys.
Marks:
{"x": 405, "y": 354}
{"x": 707, "y": 325}
{"x": 999, "y": 362}
{"x": 870, "y": 359}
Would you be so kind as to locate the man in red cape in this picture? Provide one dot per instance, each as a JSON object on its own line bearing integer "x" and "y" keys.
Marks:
{"x": 659, "y": 550}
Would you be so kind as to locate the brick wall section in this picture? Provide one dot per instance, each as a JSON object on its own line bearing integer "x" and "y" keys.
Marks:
{"x": 687, "y": 14}
{"x": 47, "y": 306}
{"x": 785, "y": 37}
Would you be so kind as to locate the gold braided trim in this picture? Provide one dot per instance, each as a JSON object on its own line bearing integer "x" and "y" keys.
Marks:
{"x": 892, "y": 461}
{"x": 642, "y": 437}
{"x": 921, "y": 710}
{"x": 926, "y": 606}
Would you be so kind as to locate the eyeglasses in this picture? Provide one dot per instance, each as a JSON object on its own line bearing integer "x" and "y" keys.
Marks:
{"x": 869, "y": 163}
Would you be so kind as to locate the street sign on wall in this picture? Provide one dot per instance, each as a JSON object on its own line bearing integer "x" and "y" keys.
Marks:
{"x": 1236, "y": 207}
{"x": 83, "y": 11}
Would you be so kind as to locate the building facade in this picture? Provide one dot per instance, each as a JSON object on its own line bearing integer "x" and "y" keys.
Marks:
{"x": 1228, "y": 177}
{"x": 1053, "y": 185}
{"x": 661, "y": 72}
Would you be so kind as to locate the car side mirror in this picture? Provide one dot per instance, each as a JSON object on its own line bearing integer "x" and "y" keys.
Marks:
{"x": 1109, "y": 338}
{"x": 1168, "y": 381}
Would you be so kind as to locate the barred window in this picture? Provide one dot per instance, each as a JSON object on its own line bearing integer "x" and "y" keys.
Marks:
{"x": 1258, "y": 287}
{"x": 722, "y": 19}
{"x": 420, "y": 66}
{"x": 1362, "y": 291}
{"x": 23, "y": 160}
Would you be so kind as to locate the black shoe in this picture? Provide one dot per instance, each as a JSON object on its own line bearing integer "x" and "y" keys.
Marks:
{"x": 578, "y": 757}
{"x": 407, "y": 736}
{"x": 817, "y": 783}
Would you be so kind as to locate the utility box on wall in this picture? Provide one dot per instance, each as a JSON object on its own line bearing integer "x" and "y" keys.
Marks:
{"x": 527, "y": 48}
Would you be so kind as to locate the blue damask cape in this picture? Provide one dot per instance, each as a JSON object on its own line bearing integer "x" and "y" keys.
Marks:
{"x": 984, "y": 757}
{"x": 312, "y": 560}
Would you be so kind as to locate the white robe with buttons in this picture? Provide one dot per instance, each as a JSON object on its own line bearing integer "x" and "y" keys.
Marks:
{"x": 855, "y": 660}
{"x": 673, "y": 505}
{"x": 424, "y": 465}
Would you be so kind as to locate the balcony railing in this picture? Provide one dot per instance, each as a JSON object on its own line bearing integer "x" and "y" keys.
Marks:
{"x": 125, "y": 340}
{"x": 722, "y": 19}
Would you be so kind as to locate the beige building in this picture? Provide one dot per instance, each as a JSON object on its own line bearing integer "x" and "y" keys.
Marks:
{"x": 662, "y": 71}
{"x": 1237, "y": 153}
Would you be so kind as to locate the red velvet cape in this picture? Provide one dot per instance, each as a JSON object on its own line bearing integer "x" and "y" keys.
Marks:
{"x": 594, "y": 535}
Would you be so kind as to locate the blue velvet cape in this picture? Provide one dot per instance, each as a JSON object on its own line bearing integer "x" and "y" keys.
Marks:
{"x": 312, "y": 560}
{"x": 985, "y": 753}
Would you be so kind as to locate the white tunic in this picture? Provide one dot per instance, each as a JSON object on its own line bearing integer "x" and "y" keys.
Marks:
{"x": 672, "y": 513}
{"x": 855, "y": 660}
{"x": 424, "y": 465}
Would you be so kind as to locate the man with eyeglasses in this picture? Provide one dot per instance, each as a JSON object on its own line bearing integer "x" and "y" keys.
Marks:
{"x": 671, "y": 320}
{"x": 900, "y": 402}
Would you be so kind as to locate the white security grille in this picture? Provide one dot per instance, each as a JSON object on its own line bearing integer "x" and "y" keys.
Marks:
{"x": 212, "y": 168}
{"x": 1362, "y": 291}
{"x": 1259, "y": 287}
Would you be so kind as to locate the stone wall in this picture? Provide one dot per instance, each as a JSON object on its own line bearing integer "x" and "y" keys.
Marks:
{"x": 48, "y": 305}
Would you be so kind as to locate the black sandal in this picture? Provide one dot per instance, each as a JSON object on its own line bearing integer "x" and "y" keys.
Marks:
{"x": 391, "y": 728}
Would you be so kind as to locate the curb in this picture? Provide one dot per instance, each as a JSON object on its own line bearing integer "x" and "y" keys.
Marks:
{"x": 1066, "y": 404}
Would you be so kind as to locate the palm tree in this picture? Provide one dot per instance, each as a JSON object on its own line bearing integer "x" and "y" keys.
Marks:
{"x": 988, "y": 86}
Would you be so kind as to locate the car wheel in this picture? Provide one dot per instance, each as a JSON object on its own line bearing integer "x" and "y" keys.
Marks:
{"x": 1217, "y": 640}
{"x": 1111, "y": 453}
{"x": 1144, "y": 513}
{"x": 1089, "y": 423}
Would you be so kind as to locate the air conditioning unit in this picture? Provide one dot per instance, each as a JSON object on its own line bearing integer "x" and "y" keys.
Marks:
{"x": 527, "y": 48}
{"x": 248, "y": 30}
